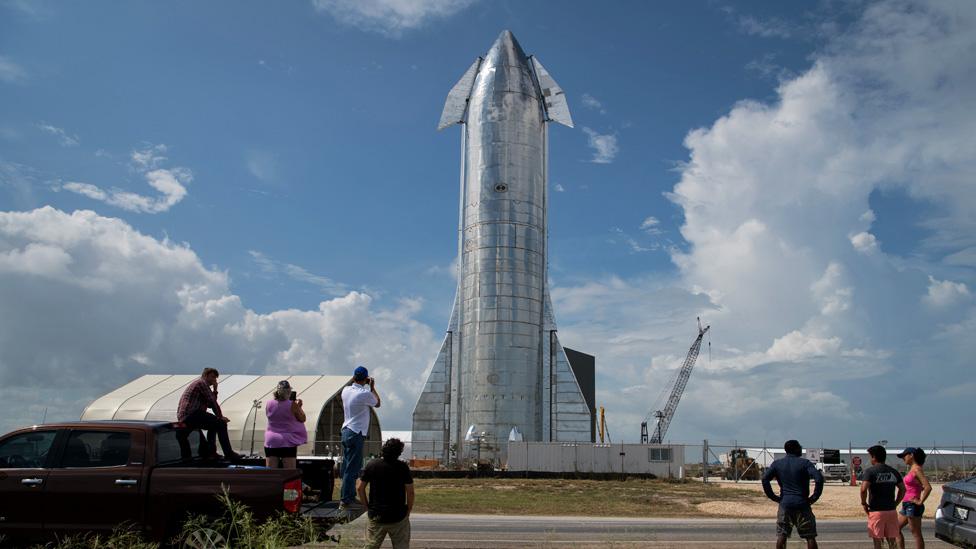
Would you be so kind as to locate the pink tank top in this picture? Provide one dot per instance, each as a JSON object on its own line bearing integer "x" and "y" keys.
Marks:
{"x": 283, "y": 430}
{"x": 913, "y": 486}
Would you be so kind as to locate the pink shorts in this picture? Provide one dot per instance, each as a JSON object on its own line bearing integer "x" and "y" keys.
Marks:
{"x": 883, "y": 524}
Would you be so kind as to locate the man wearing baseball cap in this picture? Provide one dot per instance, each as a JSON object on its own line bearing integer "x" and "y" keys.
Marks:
{"x": 357, "y": 400}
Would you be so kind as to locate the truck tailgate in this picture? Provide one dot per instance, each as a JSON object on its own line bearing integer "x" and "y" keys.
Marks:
{"x": 177, "y": 491}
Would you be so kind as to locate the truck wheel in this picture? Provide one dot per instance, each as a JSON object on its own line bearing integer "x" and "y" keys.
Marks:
{"x": 204, "y": 538}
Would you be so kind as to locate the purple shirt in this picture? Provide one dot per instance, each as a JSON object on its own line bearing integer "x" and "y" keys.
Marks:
{"x": 283, "y": 430}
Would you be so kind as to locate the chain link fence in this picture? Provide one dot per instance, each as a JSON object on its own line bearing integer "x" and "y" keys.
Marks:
{"x": 746, "y": 461}
{"x": 735, "y": 460}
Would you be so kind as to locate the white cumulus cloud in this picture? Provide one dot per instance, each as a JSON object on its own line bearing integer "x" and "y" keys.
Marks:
{"x": 651, "y": 225}
{"x": 943, "y": 293}
{"x": 90, "y": 303}
{"x": 64, "y": 138}
{"x": 170, "y": 183}
{"x": 766, "y": 28}
{"x": 864, "y": 242}
{"x": 604, "y": 146}
{"x": 390, "y": 17}
{"x": 591, "y": 102}
{"x": 11, "y": 72}
{"x": 775, "y": 198}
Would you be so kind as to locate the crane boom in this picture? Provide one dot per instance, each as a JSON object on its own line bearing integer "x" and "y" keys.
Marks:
{"x": 665, "y": 416}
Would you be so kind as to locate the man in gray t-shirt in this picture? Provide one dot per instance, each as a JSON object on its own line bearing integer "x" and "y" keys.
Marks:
{"x": 879, "y": 500}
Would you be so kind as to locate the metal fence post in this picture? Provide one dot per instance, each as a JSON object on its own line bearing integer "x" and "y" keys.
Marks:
{"x": 705, "y": 461}
{"x": 735, "y": 465}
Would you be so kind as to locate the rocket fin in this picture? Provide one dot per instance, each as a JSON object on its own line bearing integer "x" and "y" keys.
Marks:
{"x": 572, "y": 417}
{"x": 457, "y": 99}
{"x": 548, "y": 318}
{"x": 432, "y": 415}
{"x": 557, "y": 109}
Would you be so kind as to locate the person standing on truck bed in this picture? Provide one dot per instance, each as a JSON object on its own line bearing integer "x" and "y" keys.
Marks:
{"x": 390, "y": 498}
{"x": 286, "y": 428}
{"x": 793, "y": 474}
{"x": 357, "y": 400}
{"x": 192, "y": 411}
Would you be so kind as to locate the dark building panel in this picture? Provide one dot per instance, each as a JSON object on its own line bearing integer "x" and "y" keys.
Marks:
{"x": 584, "y": 368}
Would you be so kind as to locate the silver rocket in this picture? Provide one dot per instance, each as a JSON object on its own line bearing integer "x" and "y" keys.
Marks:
{"x": 501, "y": 373}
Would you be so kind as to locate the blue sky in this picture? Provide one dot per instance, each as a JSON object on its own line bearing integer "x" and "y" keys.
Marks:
{"x": 739, "y": 161}
{"x": 312, "y": 141}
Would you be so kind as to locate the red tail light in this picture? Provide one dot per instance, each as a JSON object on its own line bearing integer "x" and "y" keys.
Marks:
{"x": 293, "y": 495}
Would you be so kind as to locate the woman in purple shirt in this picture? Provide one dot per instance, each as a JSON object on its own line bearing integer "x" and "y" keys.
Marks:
{"x": 286, "y": 428}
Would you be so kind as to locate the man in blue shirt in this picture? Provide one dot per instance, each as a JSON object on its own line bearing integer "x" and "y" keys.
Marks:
{"x": 793, "y": 474}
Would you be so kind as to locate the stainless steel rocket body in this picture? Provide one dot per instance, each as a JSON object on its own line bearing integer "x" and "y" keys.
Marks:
{"x": 501, "y": 373}
{"x": 503, "y": 256}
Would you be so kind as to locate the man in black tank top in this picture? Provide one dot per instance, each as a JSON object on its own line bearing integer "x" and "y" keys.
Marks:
{"x": 390, "y": 497}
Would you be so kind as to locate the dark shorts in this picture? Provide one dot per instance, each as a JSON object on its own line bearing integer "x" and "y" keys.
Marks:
{"x": 910, "y": 509}
{"x": 289, "y": 452}
{"x": 801, "y": 519}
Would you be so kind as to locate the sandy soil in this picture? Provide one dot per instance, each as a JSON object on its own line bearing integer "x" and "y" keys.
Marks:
{"x": 838, "y": 502}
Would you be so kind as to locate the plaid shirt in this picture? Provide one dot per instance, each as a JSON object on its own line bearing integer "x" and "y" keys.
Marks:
{"x": 197, "y": 398}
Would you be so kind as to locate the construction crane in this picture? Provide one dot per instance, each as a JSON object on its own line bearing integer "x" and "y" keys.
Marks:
{"x": 665, "y": 416}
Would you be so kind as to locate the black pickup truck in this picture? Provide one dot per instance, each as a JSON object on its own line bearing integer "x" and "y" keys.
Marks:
{"x": 91, "y": 476}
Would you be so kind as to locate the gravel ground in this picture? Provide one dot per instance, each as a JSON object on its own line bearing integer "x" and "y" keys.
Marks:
{"x": 838, "y": 502}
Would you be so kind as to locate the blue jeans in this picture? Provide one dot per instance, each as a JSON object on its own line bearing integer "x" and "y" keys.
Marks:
{"x": 352, "y": 463}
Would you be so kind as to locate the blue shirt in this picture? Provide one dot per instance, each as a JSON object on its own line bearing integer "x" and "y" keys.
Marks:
{"x": 793, "y": 475}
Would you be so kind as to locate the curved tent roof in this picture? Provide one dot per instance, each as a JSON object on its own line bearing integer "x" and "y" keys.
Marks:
{"x": 156, "y": 397}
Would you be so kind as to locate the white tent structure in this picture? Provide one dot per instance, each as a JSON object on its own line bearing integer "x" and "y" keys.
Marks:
{"x": 241, "y": 398}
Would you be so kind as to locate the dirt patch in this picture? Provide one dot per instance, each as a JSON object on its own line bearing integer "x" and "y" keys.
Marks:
{"x": 838, "y": 501}
{"x": 629, "y": 498}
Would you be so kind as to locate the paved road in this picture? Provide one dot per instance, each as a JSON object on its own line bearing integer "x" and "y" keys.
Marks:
{"x": 577, "y": 532}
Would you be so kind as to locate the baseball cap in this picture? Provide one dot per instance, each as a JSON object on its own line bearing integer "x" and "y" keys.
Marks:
{"x": 360, "y": 373}
{"x": 907, "y": 451}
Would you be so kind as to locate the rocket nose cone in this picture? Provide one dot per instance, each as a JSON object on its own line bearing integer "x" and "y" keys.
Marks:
{"x": 506, "y": 51}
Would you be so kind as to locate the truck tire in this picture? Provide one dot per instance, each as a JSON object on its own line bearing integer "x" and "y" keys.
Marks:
{"x": 204, "y": 538}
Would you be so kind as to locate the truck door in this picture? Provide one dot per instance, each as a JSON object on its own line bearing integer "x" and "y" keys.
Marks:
{"x": 97, "y": 484}
{"x": 22, "y": 481}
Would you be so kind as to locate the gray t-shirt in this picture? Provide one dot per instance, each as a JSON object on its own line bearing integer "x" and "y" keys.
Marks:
{"x": 883, "y": 487}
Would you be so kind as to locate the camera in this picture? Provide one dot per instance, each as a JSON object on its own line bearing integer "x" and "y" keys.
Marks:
{"x": 293, "y": 395}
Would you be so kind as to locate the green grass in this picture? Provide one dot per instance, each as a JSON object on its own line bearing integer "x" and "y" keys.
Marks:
{"x": 628, "y": 498}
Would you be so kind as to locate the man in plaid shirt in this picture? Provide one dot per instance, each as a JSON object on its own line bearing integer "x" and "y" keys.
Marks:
{"x": 192, "y": 411}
